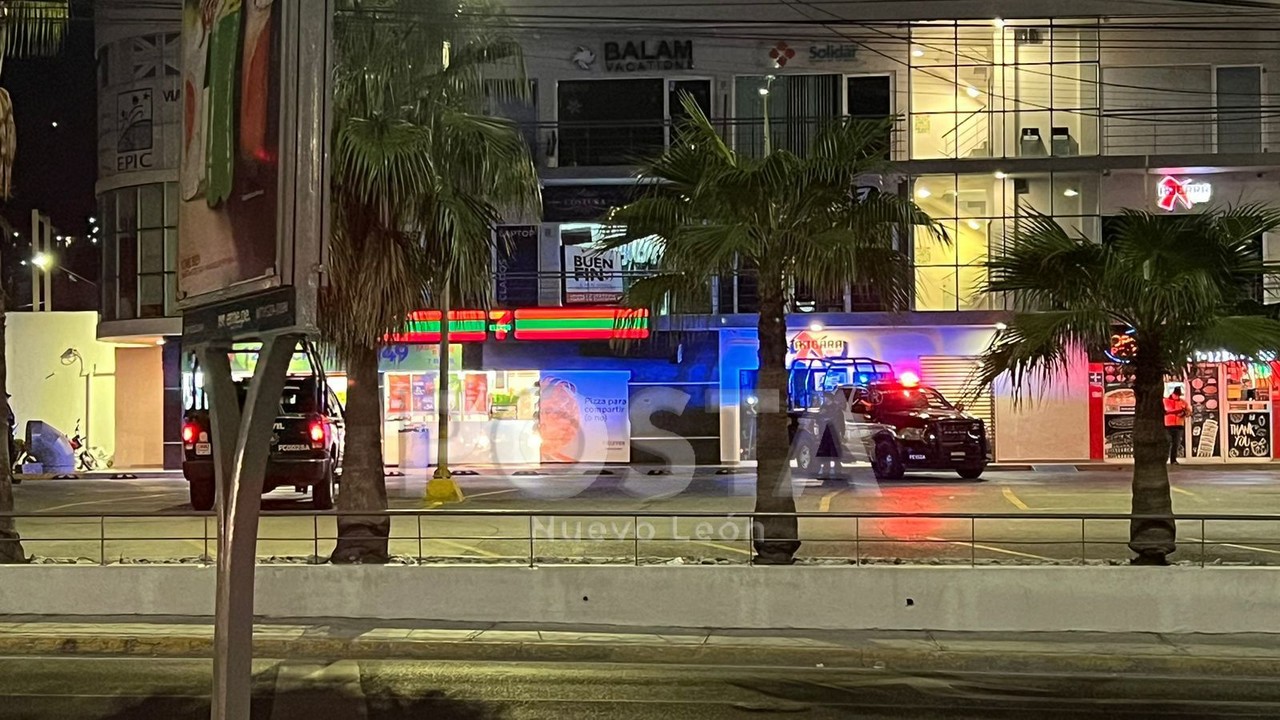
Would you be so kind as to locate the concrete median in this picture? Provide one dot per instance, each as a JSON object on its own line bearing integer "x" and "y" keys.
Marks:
{"x": 1187, "y": 655}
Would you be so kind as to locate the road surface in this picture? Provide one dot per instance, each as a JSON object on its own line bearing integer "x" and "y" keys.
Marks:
{"x": 132, "y": 689}
{"x": 639, "y": 530}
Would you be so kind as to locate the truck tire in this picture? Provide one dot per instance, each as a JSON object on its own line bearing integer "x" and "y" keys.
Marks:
{"x": 322, "y": 492}
{"x": 201, "y": 495}
{"x": 806, "y": 455}
{"x": 971, "y": 473}
{"x": 887, "y": 463}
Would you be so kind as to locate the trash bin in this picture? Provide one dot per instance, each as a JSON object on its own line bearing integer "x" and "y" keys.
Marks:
{"x": 50, "y": 447}
{"x": 415, "y": 447}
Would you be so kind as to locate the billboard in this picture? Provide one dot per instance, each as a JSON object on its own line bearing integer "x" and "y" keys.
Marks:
{"x": 584, "y": 416}
{"x": 230, "y": 176}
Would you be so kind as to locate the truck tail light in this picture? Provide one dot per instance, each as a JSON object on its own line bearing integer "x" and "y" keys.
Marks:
{"x": 317, "y": 433}
{"x": 189, "y": 433}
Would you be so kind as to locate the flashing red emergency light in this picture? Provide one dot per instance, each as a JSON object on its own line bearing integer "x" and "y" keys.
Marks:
{"x": 909, "y": 379}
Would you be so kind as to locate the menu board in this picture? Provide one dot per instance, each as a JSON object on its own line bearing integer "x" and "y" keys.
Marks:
{"x": 1205, "y": 400}
{"x": 1249, "y": 434}
{"x": 1118, "y": 403}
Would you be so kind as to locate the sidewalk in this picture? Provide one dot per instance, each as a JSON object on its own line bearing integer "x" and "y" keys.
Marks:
{"x": 1187, "y": 655}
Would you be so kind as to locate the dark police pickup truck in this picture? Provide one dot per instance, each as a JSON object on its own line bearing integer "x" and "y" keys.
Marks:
{"x": 897, "y": 426}
{"x": 306, "y": 444}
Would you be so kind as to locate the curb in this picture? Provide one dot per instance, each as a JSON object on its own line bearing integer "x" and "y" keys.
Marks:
{"x": 935, "y": 659}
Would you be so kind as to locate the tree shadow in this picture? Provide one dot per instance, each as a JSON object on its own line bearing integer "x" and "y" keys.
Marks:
{"x": 321, "y": 703}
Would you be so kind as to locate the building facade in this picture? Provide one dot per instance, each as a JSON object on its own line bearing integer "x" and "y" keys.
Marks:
{"x": 139, "y": 135}
{"x": 997, "y": 117}
{"x": 1003, "y": 109}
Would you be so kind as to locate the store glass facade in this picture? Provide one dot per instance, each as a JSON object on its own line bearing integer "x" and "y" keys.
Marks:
{"x": 978, "y": 212}
{"x": 140, "y": 255}
{"x": 1024, "y": 90}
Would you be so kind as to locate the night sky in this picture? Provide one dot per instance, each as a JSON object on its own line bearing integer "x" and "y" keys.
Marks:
{"x": 56, "y": 167}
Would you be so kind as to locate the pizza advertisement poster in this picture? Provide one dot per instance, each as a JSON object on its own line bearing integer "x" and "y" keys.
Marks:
{"x": 584, "y": 416}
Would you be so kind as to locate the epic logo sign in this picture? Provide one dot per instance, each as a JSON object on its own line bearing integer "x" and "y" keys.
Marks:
{"x": 1172, "y": 192}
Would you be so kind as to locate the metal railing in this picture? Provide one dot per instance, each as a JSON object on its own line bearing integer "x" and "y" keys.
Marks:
{"x": 631, "y": 537}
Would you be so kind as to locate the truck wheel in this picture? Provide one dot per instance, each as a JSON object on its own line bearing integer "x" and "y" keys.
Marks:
{"x": 322, "y": 492}
{"x": 971, "y": 473}
{"x": 887, "y": 464}
{"x": 807, "y": 455}
{"x": 201, "y": 495}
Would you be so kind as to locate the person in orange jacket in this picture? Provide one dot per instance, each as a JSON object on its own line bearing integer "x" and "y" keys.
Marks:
{"x": 1175, "y": 414}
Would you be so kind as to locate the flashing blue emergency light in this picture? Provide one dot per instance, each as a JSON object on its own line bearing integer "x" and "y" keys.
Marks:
{"x": 863, "y": 379}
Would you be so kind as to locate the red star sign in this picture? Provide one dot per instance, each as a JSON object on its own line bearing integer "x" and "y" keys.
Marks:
{"x": 1173, "y": 192}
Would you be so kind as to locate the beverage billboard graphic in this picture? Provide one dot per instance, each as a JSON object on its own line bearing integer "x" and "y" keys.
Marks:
{"x": 230, "y": 176}
{"x": 584, "y": 416}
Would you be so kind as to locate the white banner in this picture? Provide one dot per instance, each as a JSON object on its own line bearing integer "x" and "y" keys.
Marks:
{"x": 592, "y": 277}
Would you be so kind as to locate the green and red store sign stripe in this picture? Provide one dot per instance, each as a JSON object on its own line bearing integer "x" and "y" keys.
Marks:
{"x": 538, "y": 324}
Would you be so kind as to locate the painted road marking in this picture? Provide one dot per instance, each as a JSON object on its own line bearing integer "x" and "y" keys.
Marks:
{"x": 1273, "y": 551}
{"x": 463, "y": 546}
{"x": 1183, "y": 492}
{"x": 1013, "y": 499}
{"x": 725, "y": 547}
{"x": 987, "y": 547}
{"x": 824, "y": 505}
{"x": 129, "y": 498}
{"x": 472, "y": 496}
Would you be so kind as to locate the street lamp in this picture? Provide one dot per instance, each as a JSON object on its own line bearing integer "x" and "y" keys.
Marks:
{"x": 42, "y": 261}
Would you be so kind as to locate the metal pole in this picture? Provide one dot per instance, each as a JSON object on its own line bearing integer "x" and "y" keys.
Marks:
{"x": 1202, "y": 541}
{"x": 240, "y": 464}
{"x": 35, "y": 250}
{"x": 102, "y": 539}
{"x": 419, "y": 519}
{"x": 442, "y": 401}
{"x": 48, "y": 274}
{"x": 530, "y": 541}
{"x": 1083, "y": 552}
{"x": 973, "y": 539}
{"x": 857, "y": 542}
{"x": 635, "y": 536}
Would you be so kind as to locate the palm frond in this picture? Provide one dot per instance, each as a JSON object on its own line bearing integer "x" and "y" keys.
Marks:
{"x": 34, "y": 27}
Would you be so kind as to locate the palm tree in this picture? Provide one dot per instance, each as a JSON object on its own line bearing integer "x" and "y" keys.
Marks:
{"x": 1181, "y": 283}
{"x": 798, "y": 219}
{"x": 27, "y": 27}
{"x": 421, "y": 175}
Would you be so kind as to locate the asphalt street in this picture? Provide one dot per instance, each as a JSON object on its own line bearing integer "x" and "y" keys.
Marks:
{"x": 641, "y": 530}
{"x": 133, "y": 689}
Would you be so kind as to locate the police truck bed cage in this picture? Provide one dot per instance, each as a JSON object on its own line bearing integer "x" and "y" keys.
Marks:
{"x": 811, "y": 378}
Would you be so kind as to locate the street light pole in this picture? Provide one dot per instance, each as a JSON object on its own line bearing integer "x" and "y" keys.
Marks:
{"x": 41, "y": 261}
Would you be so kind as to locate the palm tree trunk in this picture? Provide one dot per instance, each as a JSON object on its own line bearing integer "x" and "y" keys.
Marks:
{"x": 442, "y": 401}
{"x": 1151, "y": 539}
{"x": 363, "y": 538}
{"x": 10, "y": 542}
{"x": 776, "y": 538}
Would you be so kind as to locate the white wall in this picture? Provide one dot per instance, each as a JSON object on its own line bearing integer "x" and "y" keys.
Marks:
{"x": 1013, "y": 599}
{"x": 1048, "y": 421}
{"x": 45, "y": 389}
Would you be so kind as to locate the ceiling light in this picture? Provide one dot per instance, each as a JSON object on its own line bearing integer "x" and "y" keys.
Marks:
{"x": 1000, "y": 175}
{"x": 972, "y": 91}
{"x": 917, "y": 52}
{"x": 998, "y": 22}
{"x": 816, "y": 326}
{"x": 923, "y": 192}
{"x": 1001, "y": 326}
{"x": 975, "y": 224}
{"x": 1070, "y": 192}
